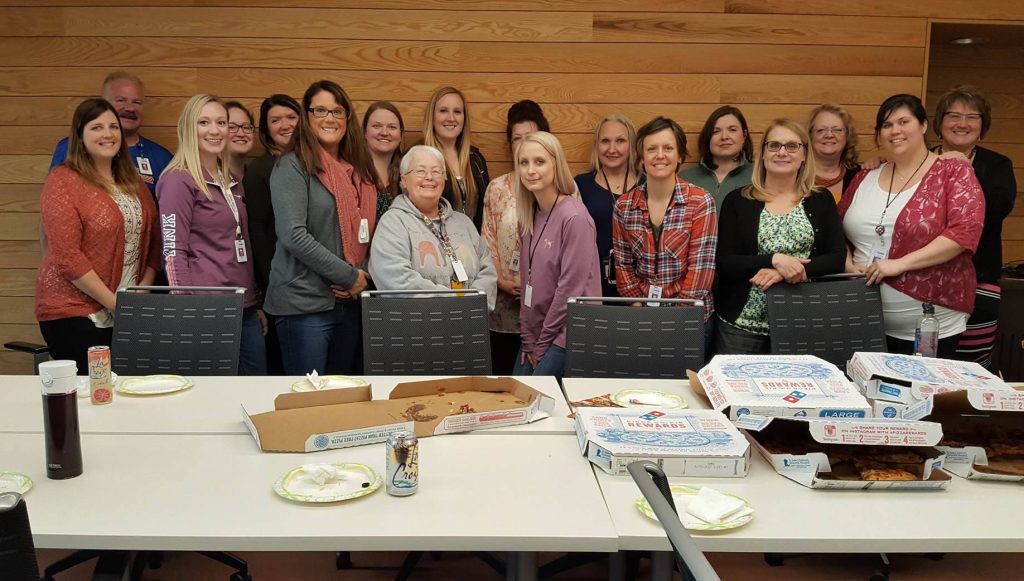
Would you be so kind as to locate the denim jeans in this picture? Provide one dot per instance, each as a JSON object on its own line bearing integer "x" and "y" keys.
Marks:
{"x": 330, "y": 342}
{"x": 553, "y": 363}
{"x": 252, "y": 356}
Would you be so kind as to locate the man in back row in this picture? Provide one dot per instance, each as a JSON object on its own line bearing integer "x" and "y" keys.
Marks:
{"x": 125, "y": 92}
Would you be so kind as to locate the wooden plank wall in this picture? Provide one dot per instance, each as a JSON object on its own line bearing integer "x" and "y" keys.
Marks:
{"x": 580, "y": 60}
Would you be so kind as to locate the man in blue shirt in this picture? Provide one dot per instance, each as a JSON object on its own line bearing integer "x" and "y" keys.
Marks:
{"x": 125, "y": 92}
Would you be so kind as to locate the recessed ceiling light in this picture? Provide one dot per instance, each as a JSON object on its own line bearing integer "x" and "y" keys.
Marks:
{"x": 970, "y": 40}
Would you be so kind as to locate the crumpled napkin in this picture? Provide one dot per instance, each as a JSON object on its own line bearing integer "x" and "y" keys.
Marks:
{"x": 711, "y": 506}
{"x": 324, "y": 473}
{"x": 314, "y": 380}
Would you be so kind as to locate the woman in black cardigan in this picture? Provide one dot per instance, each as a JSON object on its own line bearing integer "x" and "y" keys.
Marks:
{"x": 778, "y": 229}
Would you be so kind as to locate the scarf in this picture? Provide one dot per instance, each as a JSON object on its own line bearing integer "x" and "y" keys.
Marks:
{"x": 355, "y": 199}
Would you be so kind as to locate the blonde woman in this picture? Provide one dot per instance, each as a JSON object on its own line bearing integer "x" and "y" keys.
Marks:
{"x": 446, "y": 127}
{"x": 204, "y": 222}
{"x": 779, "y": 228}
{"x": 558, "y": 256}
{"x": 834, "y": 144}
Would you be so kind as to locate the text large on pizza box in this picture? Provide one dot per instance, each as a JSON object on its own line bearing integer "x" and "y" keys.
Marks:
{"x": 853, "y": 454}
{"x": 780, "y": 386}
{"x": 907, "y": 379}
{"x": 682, "y": 442}
{"x": 339, "y": 418}
{"x": 983, "y": 432}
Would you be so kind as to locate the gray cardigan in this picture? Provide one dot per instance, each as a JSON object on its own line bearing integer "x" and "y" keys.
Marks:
{"x": 308, "y": 258}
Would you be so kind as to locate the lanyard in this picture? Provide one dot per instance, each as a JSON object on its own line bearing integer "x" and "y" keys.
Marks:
{"x": 442, "y": 237}
{"x": 625, "y": 182}
{"x": 230, "y": 199}
{"x": 533, "y": 248}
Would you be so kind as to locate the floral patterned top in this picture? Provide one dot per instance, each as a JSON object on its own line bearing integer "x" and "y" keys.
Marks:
{"x": 501, "y": 232}
{"x": 792, "y": 234}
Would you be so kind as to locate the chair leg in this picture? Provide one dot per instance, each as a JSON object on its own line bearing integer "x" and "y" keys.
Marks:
{"x": 225, "y": 558}
{"x": 408, "y": 565}
{"x": 342, "y": 560}
{"x": 774, "y": 559}
{"x": 72, "y": 560}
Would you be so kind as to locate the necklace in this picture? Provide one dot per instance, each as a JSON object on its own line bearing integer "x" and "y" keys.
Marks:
{"x": 890, "y": 197}
{"x": 625, "y": 181}
{"x": 829, "y": 182}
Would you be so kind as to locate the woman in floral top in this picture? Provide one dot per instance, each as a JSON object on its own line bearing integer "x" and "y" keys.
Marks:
{"x": 501, "y": 232}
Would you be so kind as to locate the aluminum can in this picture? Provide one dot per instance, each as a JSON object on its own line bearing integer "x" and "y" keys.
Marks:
{"x": 101, "y": 388}
{"x": 403, "y": 464}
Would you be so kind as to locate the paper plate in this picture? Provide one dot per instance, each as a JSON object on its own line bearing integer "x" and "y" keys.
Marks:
{"x": 153, "y": 384}
{"x": 648, "y": 398}
{"x": 297, "y": 485}
{"x": 329, "y": 382}
{"x": 681, "y": 495}
{"x": 14, "y": 482}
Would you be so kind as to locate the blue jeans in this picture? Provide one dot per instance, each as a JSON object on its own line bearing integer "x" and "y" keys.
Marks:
{"x": 252, "y": 356}
{"x": 330, "y": 342}
{"x": 553, "y": 363}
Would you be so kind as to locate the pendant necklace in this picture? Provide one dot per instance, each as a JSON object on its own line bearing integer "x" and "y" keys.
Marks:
{"x": 890, "y": 197}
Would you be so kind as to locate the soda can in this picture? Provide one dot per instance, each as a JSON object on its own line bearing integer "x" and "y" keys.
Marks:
{"x": 403, "y": 464}
{"x": 101, "y": 388}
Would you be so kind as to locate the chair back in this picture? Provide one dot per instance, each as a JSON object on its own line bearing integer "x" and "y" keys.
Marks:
{"x": 178, "y": 330}
{"x": 830, "y": 317}
{"x": 17, "y": 552}
{"x": 426, "y": 333}
{"x": 621, "y": 340}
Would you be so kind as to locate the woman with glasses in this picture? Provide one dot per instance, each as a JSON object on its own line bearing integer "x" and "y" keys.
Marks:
{"x": 834, "y": 144}
{"x": 204, "y": 220}
{"x": 665, "y": 229}
{"x": 102, "y": 233}
{"x": 912, "y": 227}
{"x": 421, "y": 243}
{"x": 612, "y": 173}
{"x": 963, "y": 117}
{"x": 384, "y": 131}
{"x": 725, "y": 151}
{"x": 446, "y": 127}
{"x": 241, "y": 132}
{"x": 780, "y": 228}
{"x": 325, "y": 204}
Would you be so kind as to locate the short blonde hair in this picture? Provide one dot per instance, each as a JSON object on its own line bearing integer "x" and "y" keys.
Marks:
{"x": 595, "y": 160}
{"x": 526, "y": 203}
{"x": 804, "y": 178}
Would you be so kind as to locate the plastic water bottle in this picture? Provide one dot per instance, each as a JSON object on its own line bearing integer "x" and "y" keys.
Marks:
{"x": 926, "y": 337}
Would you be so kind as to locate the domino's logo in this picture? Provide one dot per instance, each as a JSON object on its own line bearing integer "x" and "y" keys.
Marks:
{"x": 889, "y": 412}
{"x": 652, "y": 415}
{"x": 976, "y": 376}
{"x": 321, "y": 442}
{"x": 794, "y": 396}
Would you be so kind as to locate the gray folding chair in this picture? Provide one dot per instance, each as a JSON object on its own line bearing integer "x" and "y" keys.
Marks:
{"x": 621, "y": 340}
{"x": 426, "y": 333}
{"x": 179, "y": 330}
{"x": 830, "y": 317}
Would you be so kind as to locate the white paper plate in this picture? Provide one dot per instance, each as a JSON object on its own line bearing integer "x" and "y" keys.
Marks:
{"x": 14, "y": 482}
{"x": 681, "y": 495}
{"x": 297, "y": 485}
{"x": 153, "y": 384}
{"x": 649, "y": 398}
{"x": 329, "y": 382}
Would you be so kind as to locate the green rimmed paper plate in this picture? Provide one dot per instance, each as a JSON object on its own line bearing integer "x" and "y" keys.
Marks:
{"x": 329, "y": 382}
{"x": 649, "y": 398}
{"x": 681, "y": 495}
{"x": 299, "y": 486}
{"x": 14, "y": 482}
{"x": 153, "y": 385}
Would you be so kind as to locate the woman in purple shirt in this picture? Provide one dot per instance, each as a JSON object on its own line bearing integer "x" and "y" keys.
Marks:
{"x": 204, "y": 222}
{"x": 558, "y": 254}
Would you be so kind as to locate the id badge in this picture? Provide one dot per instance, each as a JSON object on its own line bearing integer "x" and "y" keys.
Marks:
{"x": 879, "y": 252}
{"x": 144, "y": 166}
{"x": 240, "y": 254}
{"x": 513, "y": 264}
{"x": 364, "y": 231}
{"x": 460, "y": 271}
{"x": 654, "y": 292}
{"x": 528, "y": 296}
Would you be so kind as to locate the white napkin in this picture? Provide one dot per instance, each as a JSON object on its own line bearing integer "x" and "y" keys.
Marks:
{"x": 324, "y": 473}
{"x": 711, "y": 506}
{"x": 314, "y": 380}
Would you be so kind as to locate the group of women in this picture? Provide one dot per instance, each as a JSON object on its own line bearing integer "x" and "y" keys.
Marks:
{"x": 335, "y": 206}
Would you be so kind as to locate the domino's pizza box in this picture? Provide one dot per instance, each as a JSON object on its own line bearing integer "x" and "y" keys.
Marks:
{"x": 907, "y": 379}
{"x": 901, "y": 411}
{"x": 682, "y": 442}
{"x": 339, "y": 418}
{"x": 983, "y": 432}
{"x": 836, "y": 454}
{"x": 779, "y": 386}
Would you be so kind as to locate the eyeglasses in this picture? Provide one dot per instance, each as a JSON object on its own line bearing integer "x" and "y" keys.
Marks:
{"x": 837, "y": 131}
{"x": 423, "y": 173}
{"x": 790, "y": 146}
{"x": 960, "y": 117}
{"x": 235, "y": 128}
{"x": 321, "y": 112}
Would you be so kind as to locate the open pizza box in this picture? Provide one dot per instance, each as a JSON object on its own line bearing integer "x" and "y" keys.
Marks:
{"x": 778, "y": 386}
{"x": 683, "y": 442}
{"x": 983, "y": 432}
{"x": 853, "y": 454}
{"x": 906, "y": 379}
{"x": 339, "y": 418}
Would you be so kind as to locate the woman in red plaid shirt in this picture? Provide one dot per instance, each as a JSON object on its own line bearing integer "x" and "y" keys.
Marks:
{"x": 665, "y": 230}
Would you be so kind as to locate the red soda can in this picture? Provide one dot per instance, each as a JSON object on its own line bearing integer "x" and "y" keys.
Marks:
{"x": 101, "y": 388}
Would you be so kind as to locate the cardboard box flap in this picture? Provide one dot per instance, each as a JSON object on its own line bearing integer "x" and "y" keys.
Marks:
{"x": 305, "y": 399}
{"x": 970, "y": 400}
{"x": 466, "y": 384}
{"x": 876, "y": 431}
{"x": 277, "y": 431}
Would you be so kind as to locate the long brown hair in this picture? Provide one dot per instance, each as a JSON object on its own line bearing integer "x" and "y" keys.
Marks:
{"x": 126, "y": 178}
{"x": 462, "y": 142}
{"x": 393, "y": 188}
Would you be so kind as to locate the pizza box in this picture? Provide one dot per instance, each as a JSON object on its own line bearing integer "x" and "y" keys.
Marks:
{"x": 901, "y": 411}
{"x": 683, "y": 442}
{"x": 779, "y": 386}
{"x": 339, "y": 418}
{"x": 907, "y": 379}
{"x": 825, "y": 439}
{"x": 984, "y": 432}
